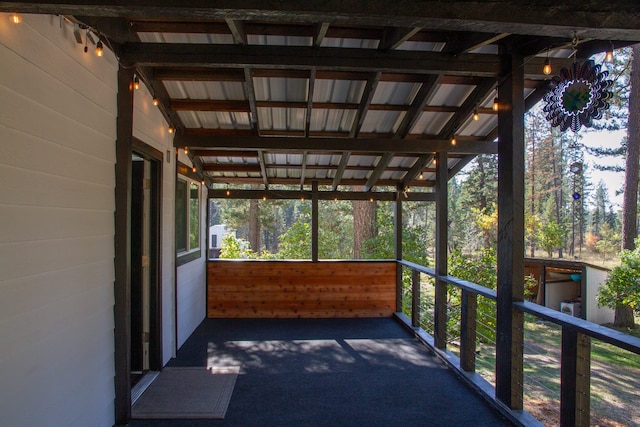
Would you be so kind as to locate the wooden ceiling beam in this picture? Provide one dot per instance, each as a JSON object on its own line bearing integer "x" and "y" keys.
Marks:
{"x": 326, "y": 58}
{"x": 368, "y": 145}
{"x": 231, "y": 167}
{"x": 319, "y": 33}
{"x": 378, "y": 171}
{"x": 231, "y": 106}
{"x": 223, "y": 153}
{"x": 415, "y": 170}
{"x": 237, "y": 31}
{"x": 199, "y": 74}
{"x": 337, "y": 178}
{"x": 388, "y": 196}
{"x": 614, "y": 19}
{"x": 465, "y": 42}
{"x": 321, "y": 181}
{"x": 392, "y": 37}
{"x": 263, "y": 168}
{"x": 365, "y": 101}
{"x": 177, "y": 27}
{"x": 304, "y": 58}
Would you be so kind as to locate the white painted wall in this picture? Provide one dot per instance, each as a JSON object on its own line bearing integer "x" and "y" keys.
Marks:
{"x": 191, "y": 287}
{"x": 57, "y": 154}
{"x": 600, "y": 315}
{"x": 149, "y": 127}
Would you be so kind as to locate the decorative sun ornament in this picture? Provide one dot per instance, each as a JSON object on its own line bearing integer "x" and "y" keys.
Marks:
{"x": 578, "y": 96}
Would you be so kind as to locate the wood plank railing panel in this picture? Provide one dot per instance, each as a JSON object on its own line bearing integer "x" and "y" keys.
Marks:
{"x": 265, "y": 289}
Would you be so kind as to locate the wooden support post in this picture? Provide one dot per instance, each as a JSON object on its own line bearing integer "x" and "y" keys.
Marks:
{"x": 442, "y": 236}
{"x": 415, "y": 298}
{"x": 468, "y": 331}
{"x": 314, "y": 221}
{"x": 122, "y": 261}
{"x": 510, "y": 322}
{"x": 575, "y": 379}
{"x": 397, "y": 222}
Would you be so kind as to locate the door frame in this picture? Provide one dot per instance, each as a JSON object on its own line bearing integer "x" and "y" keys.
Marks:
{"x": 155, "y": 159}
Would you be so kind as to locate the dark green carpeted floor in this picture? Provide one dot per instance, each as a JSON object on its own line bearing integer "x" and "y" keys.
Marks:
{"x": 329, "y": 372}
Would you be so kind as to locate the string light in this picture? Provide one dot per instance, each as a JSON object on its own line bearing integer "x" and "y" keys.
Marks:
{"x": 421, "y": 176}
{"x": 264, "y": 197}
{"x": 496, "y": 104}
{"x": 186, "y": 149}
{"x": 547, "y": 67}
{"x": 608, "y": 56}
{"x": 172, "y": 130}
{"x": 136, "y": 82}
{"x": 476, "y": 116}
{"x": 15, "y": 18}
{"x": 155, "y": 101}
{"x": 193, "y": 169}
{"x": 453, "y": 141}
{"x": 228, "y": 192}
{"x": 100, "y": 50}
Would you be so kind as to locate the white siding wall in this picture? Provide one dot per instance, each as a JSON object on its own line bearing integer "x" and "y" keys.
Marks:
{"x": 57, "y": 133}
{"x": 191, "y": 289}
{"x": 150, "y": 128}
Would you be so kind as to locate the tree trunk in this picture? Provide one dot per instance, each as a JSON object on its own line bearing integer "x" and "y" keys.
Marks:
{"x": 624, "y": 314}
{"x": 364, "y": 224}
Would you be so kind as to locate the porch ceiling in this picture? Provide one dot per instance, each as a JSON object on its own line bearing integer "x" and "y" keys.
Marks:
{"x": 343, "y": 93}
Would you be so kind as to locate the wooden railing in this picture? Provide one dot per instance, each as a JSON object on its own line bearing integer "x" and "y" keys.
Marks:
{"x": 272, "y": 288}
{"x": 575, "y": 348}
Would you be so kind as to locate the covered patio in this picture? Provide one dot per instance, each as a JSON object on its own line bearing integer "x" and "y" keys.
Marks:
{"x": 376, "y": 100}
{"x": 329, "y": 372}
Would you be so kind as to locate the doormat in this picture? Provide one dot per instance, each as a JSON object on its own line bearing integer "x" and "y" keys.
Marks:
{"x": 187, "y": 393}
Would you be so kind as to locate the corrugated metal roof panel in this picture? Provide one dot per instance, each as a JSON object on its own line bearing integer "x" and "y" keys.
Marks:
{"x": 186, "y": 38}
{"x": 378, "y": 121}
{"x": 280, "y": 89}
{"x": 338, "y": 91}
{"x": 394, "y": 93}
{"x": 205, "y": 90}
{"x": 282, "y": 118}
{"x": 421, "y": 46}
{"x": 350, "y": 43}
{"x": 332, "y": 120}
{"x": 430, "y": 123}
{"x": 214, "y": 120}
{"x": 451, "y": 95}
{"x": 275, "y": 40}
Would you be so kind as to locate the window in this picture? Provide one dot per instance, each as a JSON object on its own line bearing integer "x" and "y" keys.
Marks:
{"x": 187, "y": 216}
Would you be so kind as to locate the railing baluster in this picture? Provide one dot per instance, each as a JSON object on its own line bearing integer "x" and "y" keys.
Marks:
{"x": 575, "y": 378}
{"x": 468, "y": 331}
{"x": 415, "y": 298}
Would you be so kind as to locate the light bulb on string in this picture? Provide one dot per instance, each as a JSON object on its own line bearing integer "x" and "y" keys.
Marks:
{"x": 496, "y": 104}
{"x": 100, "y": 49}
{"x": 547, "y": 67}
{"x": 15, "y": 18}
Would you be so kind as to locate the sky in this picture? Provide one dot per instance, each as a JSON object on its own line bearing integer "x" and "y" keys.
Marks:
{"x": 613, "y": 180}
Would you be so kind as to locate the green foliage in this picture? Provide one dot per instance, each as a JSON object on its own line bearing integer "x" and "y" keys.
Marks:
{"x": 479, "y": 268}
{"x": 609, "y": 242}
{"x": 551, "y": 236}
{"x": 295, "y": 243}
{"x": 623, "y": 285}
{"x": 233, "y": 248}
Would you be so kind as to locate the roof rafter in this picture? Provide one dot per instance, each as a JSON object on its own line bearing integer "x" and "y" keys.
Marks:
{"x": 368, "y": 145}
